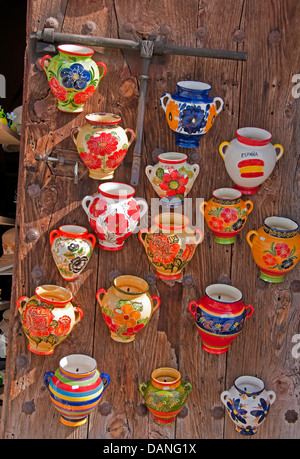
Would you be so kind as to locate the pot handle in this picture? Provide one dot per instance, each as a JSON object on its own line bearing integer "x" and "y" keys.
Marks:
{"x": 85, "y": 205}
{"x": 92, "y": 238}
{"x": 20, "y": 300}
{"x": 79, "y": 311}
{"x": 106, "y": 383}
{"x": 53, "y": 235}
{"x": 224, "y": 396}
{"x": 222, "y": 145}
{"x": 248, "y": 237}
{"x": 218, "y": 99}
{"x": 164, "y": 106}
{"x": 249, "y": 204}
{"x": 73, "y": 133}
{"x": 132, "y": 136}
{"x": 249, "y": 314}
{"x": 142, "y": 203}
{"x": 187, "y": 386}
{"x": 47, "y": 375}
{"x": 200, "y": 235}
{"x": 148, "y": 172}
{"x": 272, "y": 396}
{"x": 104, "y": 69}
{"x": 277, "y": 145}
{"x": 141, "y": 232}
{"x": 101, "y": 290}
{"x": 142, "y": 388}
{"x": 201, "y": 206}
{"x": 44, "y": 58}
{"x": 158, "y": 302}
{"x": 193, "y": 311}
{"x": 196, "y": 169}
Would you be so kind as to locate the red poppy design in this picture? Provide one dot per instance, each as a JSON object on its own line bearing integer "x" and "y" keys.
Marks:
{"x": 82, "y": 96}
{"x": 102, "y": 144}
{"x": 282, "y": 250}
{"x": 188, "y": 253}
{"x": 117, "y": 223}
{"x": 98, "y": 229}
{"x": 63, "y": 327}
{"x": 133, "y": 210}
{"x": 173, "y": 183}
{"x": 113, "y": 327}
{"x": 163, "y": 251}
{"x": 98, "y": 207}
{"x": 37, "y": 320}
{"x": 269, "y": 259}
{"x": 91, "y": 161}
{"x": 59, "y": 92}
{"x": 216, "y": 223}
{"x": 114, "y": 160}
{"x": 228, "y": 215}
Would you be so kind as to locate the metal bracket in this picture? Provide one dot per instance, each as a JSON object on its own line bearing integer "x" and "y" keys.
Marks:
{"x": 60, "y": 160}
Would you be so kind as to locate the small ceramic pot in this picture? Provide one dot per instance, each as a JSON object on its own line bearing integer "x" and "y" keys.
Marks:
{"x": 248, "y": 403}
{"x": 220, "y": 317}
{"x": 102, "y": 144}
{"x": 165, "y": 394}
{"x": 172, "y": 177}
{"x": 190, "y": 112}
{"x": 114, "y": 213}
{"x": 76, "y": 388}
{"x": 275, "y": 247}
{"x": 73, "y": 76}
{"x": 48, "y": 317}
{"x": 226, "y": 214}
{"x": 127, "y": 307}
{"x": 170, "y": 244}
{"x": 250, "y": 158}
{"x": 71, "y": 247}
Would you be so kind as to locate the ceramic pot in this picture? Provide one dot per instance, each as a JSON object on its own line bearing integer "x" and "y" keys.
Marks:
{"x": 165, "y": 394}
{"x": 102, "y": 144}
{"x": 170, "y": 244}
{"x": 76, "y": 388}
{"x": 172, "y": 177}
{"x": 220, "y": 317}
{"x": 48, "y": 317}
{"x": 71, "y": 247}
{"x": 114, "y": 213}
{"x": 248, "y": 403}
{"x": 250, "y": 158}
{"x": 275, "y": 247}
{"x": 226, "y": 214}
{"x": 127, "y": 307}
{"x": 73, "y": 76}
{"x": 190, "y": 112}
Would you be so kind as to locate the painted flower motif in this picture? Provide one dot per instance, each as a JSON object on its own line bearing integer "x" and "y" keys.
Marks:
{"x": 228, "y": 214}
{"x": 58, "y": 91}
{"x": 37, "y": 320}
{"x": 216, "y": 223}
{"x": 163, "y": 250}
{"x": 188, "y": 253}
{"x": 102, "y": 144}
{"x": 113, "y": 327}
{"x": 211, "y": 117}
{"x": 172, "y": 113}
{"x": 75, "y": 77}
{"x": 114, "y": 160}
{"x": 98, "y": 207}
{"x": 72, "y": 247}
{"x": 237, "y": 411}
{"x": 82, "y": 96}
{"x": 269, "y": 259}
{"x": 126, "y": 315}
{"x": 78, "y": 264}
{"x": 133, "y": 210}
{"x": 286, "y": 264}
{"x": 173, "y": 183}
{"x": 192, "y": 119}
{"x": 117, "y": 223}
{"x": 91, "y": 161}
{"x": 261, "y": 413}
{"x": 238, "y": 224}
{"x": 63, "y": 327}
{"x": 282, "y": 250}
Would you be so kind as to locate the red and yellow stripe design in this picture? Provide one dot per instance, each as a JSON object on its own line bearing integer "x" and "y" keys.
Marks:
{"x": 251, "y": 168}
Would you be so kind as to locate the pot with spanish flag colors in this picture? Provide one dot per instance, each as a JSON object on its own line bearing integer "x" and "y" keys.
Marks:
{"x": 76, "y": 388}
{"x": 250, "y": 158}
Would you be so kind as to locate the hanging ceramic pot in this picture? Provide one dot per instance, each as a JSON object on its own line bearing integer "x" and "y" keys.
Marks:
{"x": 226, "y": 214}
{"x": 248, "y": 403}
{"x": 71, "y": 247}
{"x": 275, "y": 247}
{"x": 172, "y": 177}
{"x": 165, "y": 394}
{"x": 127, "y": 307}
{"x": 170, "y": 244}
{"x": 250, "y": 158}
{"x": 190, "y": 112}
{"x": 76, "y": 388}
{"x": 48, "y": 317}
{"x": 220, "y": 317}
{"x": 73, "y": 76}
{"x": 102, "y": 144}
{"x": 114, "y": 213}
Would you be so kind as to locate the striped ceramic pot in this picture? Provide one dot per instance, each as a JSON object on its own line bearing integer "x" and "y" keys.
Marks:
{"x": 76, "y": 388}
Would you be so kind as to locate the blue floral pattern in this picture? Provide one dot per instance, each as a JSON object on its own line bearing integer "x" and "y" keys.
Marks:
{"x": 192, "y": 119}
{"x": 261, "y": 413}
{"x": 237, "y": 411}
{"x": 75, "y": 77}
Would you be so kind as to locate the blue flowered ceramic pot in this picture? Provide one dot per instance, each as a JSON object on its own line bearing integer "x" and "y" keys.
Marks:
{"x": 190, "y": 112}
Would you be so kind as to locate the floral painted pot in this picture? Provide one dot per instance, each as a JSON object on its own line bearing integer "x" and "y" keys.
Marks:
{"x": 275, "y": 247}
{"x": 220, "y": 317}
{"x": 250, "y": 158}
{"x": 76, "y": 388}
{"x": 114, "y": 214}
{"x": 172, "y": 177}
{"x": 102, "y": 144}
{"x": 165, "y": 394}
{"x": 248, "y": 403}
{"x": 170, "y": 244}
{"x": 226, "y": 214}
{"x": 127, "y": 307}
{"x": 48, "y": 317}
{"x": 71, "y": 247}
{"x": 73, "y": 76}
{"x": 190, "y": 112}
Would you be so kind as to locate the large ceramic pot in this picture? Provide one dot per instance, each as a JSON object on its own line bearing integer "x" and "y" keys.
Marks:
{"x": 248, "y": 403}
{"x": 102, "y": 144}
{"x": 220, "y": 317}
{"x": 48, "y": 317}
{"x": 165, "y": 394}
{"x": 250, "y": 158}
{"x": 190, "y": 112}
{"x": 172, "y": 177}
{"x": 226, "y": 214}
{"x": 71, "y": 247}
{"x": 170, "y": 244}
{"x": 114, "y": 213}
{"x": 73, "y": 76}
{"x": 127, "y": 307}
{"x": 275, "y": 247}
{"x": 76, "y": 388}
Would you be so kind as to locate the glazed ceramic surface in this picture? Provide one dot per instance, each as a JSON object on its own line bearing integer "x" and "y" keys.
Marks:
{"x": 190, "y": 112}
{"x": 250, "y": 158}
{"x": 73, "y": 76}
{"x": 127, "y": 307}
{"x": 71, "y": 247}
{"x": 165, "y": 394}
{"x": 226, "y": 214}
{"x": 102, "y": 144}
{"x": 76, "y": 388}
{"x": 248, "y": 403}
{"x": 172, "y": 177}
{"x": 114, "y": 213}
{"x": 275, "y": 247}
{"x": 220, "y": 317}
{"x": 48, "y": 317}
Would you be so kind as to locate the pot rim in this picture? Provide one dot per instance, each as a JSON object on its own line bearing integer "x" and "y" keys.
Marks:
{"x": 103, "y": 118}
{"x": 71, "y": 233}
{"x": 243, "y": 136}
{"x": 130, "y": 191}
{"x": 162, "y": 225}
{"x": 74, "y": 357}
{"x": 160, "y": 371}
{"x": 177, "y": 158}
{"x": 86, "y": 51}
{"x": 194, "y": 85}
{"x": 133, "y": 278}
{"x": 229, "y": 288}
{"x": 287, "y": 219}
{"x": 52, "y": 287}
{"x": 249, "y": 379}
{"x": 227, "y": 198}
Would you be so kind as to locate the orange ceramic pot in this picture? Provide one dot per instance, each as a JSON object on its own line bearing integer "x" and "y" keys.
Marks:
{"x": 275, "y": 247}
